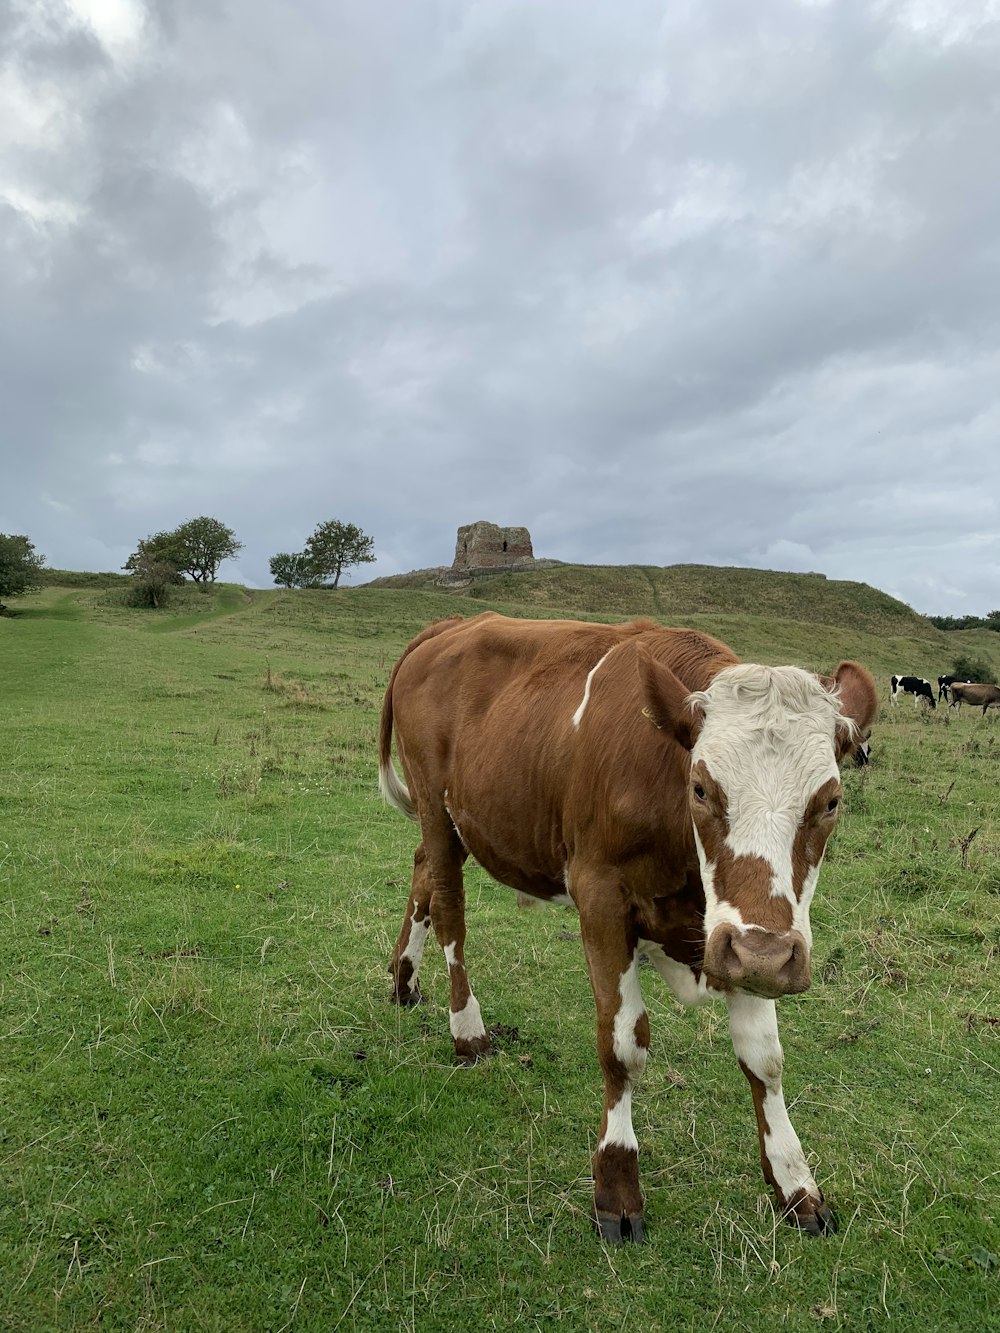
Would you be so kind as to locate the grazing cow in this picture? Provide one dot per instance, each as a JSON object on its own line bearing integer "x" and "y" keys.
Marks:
{"x": 680, "y": 799}
{"x": 973, "y": 694}
{"x": 862, "y": 755}
{"x": 915, "y": 685}
{"x": 946, "y": 682}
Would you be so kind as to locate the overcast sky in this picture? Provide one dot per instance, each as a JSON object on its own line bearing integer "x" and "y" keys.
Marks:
{"x": 675, "y": 282}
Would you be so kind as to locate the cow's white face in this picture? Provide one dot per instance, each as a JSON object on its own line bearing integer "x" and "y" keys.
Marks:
{"x": 764, "y": 794}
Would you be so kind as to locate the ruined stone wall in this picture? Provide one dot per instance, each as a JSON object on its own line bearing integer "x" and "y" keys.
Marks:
{"x": 484, "y": 546}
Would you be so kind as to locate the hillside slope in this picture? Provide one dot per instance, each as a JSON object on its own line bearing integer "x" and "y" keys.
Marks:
{"x": 677, "y": 591}
{"x": 765, "y": 616}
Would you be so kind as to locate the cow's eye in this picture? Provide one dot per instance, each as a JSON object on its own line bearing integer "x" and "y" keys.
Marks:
{"x": 699, "y": 791}
{"x": 832, "y": 805}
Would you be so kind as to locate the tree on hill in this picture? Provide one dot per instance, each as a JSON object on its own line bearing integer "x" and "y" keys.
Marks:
{"x": 990, "y": 621}
{"x": 198, "y": 547}
{"x": 19, "y": 567}
{"x": 204, "y": 544}
{"x": 162, "y": 547}
{"x": 294, "y": 570}
{"x": 336, "y": 546}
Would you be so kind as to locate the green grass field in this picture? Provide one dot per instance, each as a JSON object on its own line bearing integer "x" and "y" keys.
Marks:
{"x": 212, "y": 1118}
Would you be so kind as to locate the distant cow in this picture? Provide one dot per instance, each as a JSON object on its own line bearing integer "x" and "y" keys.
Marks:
{"x": 678, "y": 798}
{"x": 862, "y": 754}
{"x": 976, "y": 695}
{"x": 915, "y": 685}
{"x": 946, "y": 682}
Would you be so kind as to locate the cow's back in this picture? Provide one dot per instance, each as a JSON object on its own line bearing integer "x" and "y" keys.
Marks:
{"x": 493, "y": 680}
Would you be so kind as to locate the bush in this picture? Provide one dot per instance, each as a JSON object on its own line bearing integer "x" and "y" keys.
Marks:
{"x": 974, "y": 668}
{"x": 152, "y": 581}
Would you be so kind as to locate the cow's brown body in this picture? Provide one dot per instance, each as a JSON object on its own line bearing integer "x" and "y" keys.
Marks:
{"x": 558, "y": 754}
{"x": 978, "y": 696}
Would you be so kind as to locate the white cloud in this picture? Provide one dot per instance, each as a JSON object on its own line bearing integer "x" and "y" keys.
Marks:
{"x": 119, "y": 25}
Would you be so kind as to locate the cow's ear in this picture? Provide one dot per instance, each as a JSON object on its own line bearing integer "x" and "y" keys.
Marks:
{"x": 858, "y": 701}
{"x": 664, "y": 699}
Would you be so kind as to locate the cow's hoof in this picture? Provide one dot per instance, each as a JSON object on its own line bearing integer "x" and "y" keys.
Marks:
{"x": 818, "y": 1221}
{"x": 616, "y": 1228}
{"x": 407, "y": 998}
{"x": 471, "y": 1049}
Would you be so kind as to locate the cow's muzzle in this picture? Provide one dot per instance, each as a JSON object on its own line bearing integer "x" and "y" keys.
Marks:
{"x": 758, "y": 961}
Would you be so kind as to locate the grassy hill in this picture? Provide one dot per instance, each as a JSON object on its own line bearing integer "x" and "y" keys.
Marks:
{"x": 676, "y": 592}
{"x": 766, "y": 615}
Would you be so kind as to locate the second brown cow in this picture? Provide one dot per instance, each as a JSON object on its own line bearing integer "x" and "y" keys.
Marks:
{"x": 979, "y": 696}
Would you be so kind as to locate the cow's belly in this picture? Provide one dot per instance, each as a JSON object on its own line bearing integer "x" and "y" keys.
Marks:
{"x": 522, "y": 852}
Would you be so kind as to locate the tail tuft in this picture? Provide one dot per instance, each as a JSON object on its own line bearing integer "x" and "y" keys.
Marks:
{"x": 394, "y": 792}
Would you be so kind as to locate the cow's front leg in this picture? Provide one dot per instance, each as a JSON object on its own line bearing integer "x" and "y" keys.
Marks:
{"x": 753, "y": 1026}
{"x": 622, "y": 1044}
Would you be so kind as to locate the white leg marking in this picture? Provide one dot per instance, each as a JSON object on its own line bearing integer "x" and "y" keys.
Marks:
{"x": 619, "y": 1133}
{"x": 784, "y": 1151}
{"x": 631, "y": 1009}
{"x": 468, "y": 1022}
{"x": 753, "y": 1026}
{"x": 586, "y": 689}
{"x": 414, "y": 951}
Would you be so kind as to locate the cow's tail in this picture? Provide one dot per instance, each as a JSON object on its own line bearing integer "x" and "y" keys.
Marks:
{"x": 394, "y": 791}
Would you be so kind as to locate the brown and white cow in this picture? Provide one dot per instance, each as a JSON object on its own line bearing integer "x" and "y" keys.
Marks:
{"x": 680, "y": 799}
{"x": 978, "y": 696}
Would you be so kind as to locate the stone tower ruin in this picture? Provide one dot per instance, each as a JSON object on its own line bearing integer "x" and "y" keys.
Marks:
{"x": 483, "y": 546}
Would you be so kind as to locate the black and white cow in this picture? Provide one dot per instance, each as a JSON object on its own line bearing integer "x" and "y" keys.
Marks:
{"x": 946, "y": 682}
{"x": 915, "y": 685}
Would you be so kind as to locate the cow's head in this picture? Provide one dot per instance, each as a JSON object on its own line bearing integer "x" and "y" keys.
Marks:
{"x": 764, "y": 794}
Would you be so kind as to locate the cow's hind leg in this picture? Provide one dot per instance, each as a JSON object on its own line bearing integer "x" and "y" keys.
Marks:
{"x": 753, "y": 1026}
{"x": 416, "y": 927}
{"x": 622, "y": 1045}
{"x": 445, "y": 857}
